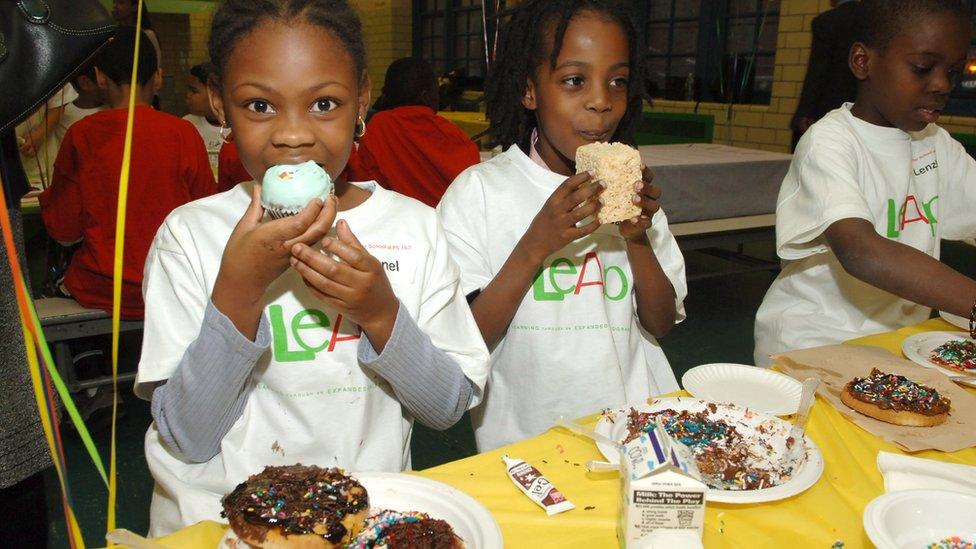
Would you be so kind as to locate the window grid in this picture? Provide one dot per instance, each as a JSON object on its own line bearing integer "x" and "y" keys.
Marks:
{"x": 451, "y": 35}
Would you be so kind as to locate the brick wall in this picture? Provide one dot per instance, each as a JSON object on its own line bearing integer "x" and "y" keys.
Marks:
{"x": 768, "y": 126}
{"x": 173, "y": 31}
{"x": 388, "y": 33}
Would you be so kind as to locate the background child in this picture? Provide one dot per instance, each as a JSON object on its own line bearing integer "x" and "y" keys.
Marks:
{"x": 168, "y": 168}
{"x": 569, "y": 308}
{"x": 872, "y": 189}
{"x": 36, "y": 137}
{"x": 407, "y": 146}
{"x": 201, "y": 114}
{"x": 89, "y": 101}
{"x": 251, "y": 363}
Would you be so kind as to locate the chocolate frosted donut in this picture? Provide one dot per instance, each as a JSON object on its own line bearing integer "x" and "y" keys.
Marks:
{"x": 297, "y": 506}
{"x": 409, "y": 530}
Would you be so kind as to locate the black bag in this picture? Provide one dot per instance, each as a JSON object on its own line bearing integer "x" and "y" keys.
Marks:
{"x": 42, "y": 44}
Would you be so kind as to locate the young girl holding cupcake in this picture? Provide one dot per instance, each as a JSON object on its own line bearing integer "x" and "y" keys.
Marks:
{"x": 316, "y": 337}
{"x": 569, "y": 307}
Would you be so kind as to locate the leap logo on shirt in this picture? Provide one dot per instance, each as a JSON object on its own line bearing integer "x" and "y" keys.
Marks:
{"x": 912, "y": 210}
{"x": 562, "y": 277}
{"x": 307, "y": 333}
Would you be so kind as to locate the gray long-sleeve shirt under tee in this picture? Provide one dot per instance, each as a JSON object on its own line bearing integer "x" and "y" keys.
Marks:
{"x": 207, "y": 392}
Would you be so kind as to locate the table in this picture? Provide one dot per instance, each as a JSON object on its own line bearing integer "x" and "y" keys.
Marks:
{"x": 471, "y": 123}
{"x": 829, "y": 511}
{"x": 708, "y": 181}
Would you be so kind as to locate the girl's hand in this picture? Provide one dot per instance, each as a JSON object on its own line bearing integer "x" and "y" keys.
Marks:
{"x": 355, "y": 286}
{"x": 555, "y": 225}
{"x": 258, "y": 252}
{"x": 646, "y": 196}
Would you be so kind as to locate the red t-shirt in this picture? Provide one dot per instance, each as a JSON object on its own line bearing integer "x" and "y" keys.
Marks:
{"x": 413, "y": 151}
{"x": 169, "y": 167}
{"x": 230, "y": 171}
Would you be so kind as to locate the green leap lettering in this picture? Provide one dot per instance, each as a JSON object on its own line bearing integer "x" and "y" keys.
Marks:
{"x": 306, "y": 320}
{"x": 566, "y": 278}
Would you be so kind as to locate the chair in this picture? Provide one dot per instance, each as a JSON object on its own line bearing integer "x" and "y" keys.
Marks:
{"x": 63, "y": 320}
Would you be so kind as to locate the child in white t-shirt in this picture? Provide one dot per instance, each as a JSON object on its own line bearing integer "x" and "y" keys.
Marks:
{"x": 202, "y": 115}
{"x": 37, "y": 140}
{"x": 873, "y": 188}
{"x": 569, "y": 308}
{"x": 262, "y": 350}
{"x": 89, "y": 101}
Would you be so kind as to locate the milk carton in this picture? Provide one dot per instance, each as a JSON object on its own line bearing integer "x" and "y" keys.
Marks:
{"x": 660, "y": 488}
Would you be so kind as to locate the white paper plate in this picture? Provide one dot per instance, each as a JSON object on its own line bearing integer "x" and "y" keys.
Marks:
{"x": 955, "y": 320}
{"x": 919, "y": 347}
{"x": 917, "y": 518}
{"x": 471, "y": 521}
{"x": 746, "y": 386}
{"x": 745, "y": 421}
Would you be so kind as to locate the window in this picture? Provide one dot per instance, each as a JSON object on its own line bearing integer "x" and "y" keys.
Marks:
{"x": 450, "y": 35}
{"x": 710, "y": 50}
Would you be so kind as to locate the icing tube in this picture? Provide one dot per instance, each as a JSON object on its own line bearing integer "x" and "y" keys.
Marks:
{"x": 536, "y": 486}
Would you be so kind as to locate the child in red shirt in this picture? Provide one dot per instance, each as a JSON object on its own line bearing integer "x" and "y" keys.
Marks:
{"x": 230, "y": 171}
{"x": 169, "y": 167}
{"x": 407, "y": 147}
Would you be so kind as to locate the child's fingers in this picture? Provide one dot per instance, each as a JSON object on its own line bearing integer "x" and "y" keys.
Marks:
{"x": 334, "y": 303}
{"x": 647, "y": 174}
{"x": 571, "y": 184}
{"x": 320, "y": 224}
{"x": 585, "y": 211}
{"x": 255, "y": 212}
{"x": 651, "y": 191}
{"x": 323, "y": 264}
{"x": 317, "y": 281}
{"x": 348, "y": 248}
{"x": 587, "y": 229}
{"x": 583, "y": 193}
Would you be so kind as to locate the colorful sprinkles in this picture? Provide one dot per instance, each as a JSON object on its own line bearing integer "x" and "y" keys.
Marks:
{"x": 378, "y": 524}
{"x": 958, "y": 354}
{"x": 892, "y": 391}
{"x": 726, "y": 460}
{"x": 954, "y": 542}
{"x": 298, "y": 500}
{"x": 408, "y": 529}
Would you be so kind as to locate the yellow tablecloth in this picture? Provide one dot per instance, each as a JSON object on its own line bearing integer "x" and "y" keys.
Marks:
{"x": 828, "y": 512}
{"x": 471, "y": 123}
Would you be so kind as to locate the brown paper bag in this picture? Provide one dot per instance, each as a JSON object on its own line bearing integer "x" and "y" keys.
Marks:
{"x": 836, "y": 365}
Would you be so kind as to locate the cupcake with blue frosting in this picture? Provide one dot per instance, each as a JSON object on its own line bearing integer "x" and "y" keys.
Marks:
{"x": 287, "y": 188}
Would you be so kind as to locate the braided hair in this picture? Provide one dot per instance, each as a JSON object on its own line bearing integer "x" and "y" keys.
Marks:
{"x": 882, "y": 20}
{"x": 537, "y": 28}
{"x": 234, "y": 19}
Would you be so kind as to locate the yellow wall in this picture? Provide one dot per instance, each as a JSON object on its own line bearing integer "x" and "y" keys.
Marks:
{"x": 388, "y": 33}
{"x": 768, "y": 126}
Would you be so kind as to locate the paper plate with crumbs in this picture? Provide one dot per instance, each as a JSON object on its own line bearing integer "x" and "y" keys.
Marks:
{"x": 741, "y": 453}
{"x": 952, "y": 353}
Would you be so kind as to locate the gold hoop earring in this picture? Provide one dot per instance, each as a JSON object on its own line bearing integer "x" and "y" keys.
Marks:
{"x": 360, "y": 130}
{"x": 224, "y": 131}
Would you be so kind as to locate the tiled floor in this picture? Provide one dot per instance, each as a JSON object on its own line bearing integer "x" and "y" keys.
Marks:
{"x": 718, "y": 329}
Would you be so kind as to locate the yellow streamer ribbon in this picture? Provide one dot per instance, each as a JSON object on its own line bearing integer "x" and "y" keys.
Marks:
{"x": 117, "y": 271}
{"x": 74, "y": 531}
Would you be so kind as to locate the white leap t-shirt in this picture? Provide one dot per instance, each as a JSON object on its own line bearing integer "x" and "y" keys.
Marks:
{"x": 310, "y": 400}
{"x": 575, "y": 345}
{"x": 916, "y": 188}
